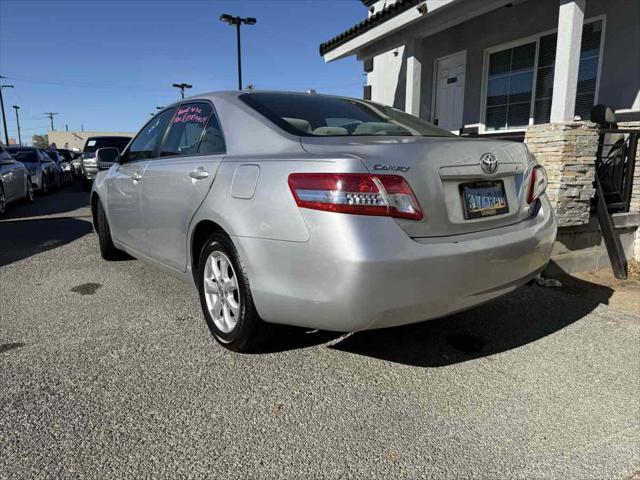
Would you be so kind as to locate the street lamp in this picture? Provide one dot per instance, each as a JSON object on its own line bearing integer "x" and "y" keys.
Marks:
{"x": 237, "y": 21}
{"x": 4, "y": 117}
{"x": 182, "y": 86}
{"x": 16, "y": 107}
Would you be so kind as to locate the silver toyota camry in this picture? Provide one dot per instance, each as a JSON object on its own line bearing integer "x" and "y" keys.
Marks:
{"x": 321, "y": 211}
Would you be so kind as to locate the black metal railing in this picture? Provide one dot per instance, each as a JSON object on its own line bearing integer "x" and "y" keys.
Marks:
{"x": 615, "y": 166}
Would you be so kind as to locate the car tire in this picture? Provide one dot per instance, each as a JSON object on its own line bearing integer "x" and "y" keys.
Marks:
{"x": 107, "y": 250}
{"x": 43, "y": 185}
{"x": 248, "y": 329}
{"x": 30, "y": 197}
{"x": 3, "y": 201}
{"x": 86, "y": 184}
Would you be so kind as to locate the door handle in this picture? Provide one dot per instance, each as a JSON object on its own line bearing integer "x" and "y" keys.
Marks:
{"x": 199, "y": 173}
{"x": 136, "y": 177}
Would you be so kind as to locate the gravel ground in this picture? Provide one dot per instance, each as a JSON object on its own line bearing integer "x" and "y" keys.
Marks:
{"x": 108, "y": 370}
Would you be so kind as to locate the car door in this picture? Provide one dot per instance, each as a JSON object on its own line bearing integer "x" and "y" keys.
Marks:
{"x": 177, "y": 181}
{"x": 124, "y": 184}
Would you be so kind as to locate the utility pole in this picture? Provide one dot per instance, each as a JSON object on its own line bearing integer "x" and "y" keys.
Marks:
{"x": 237, "y": 21}
{"x": 182, "y": 86}
{"x": 50, "y": 116}
{"x": 18, "y": 123}
{"x": 4, "y": 117}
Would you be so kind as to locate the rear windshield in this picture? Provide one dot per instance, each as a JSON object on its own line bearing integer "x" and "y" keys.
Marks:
{"x": 24, "y": 156}
{"x": 100, "y": 142}
{"x": 324, "y": 115}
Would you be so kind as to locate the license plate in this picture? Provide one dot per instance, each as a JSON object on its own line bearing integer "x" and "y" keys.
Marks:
{"x": 483, "y": 199}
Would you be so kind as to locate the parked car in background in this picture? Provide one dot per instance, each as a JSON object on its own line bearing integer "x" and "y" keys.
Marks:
{"x": 15, "y": 181}
{"x": 42, "y": 170}
{"x": 323, "y": 212}
{"x": 73, "y": 158}
{"x": 89, "y": 167}
{"x": 64, "y": 167}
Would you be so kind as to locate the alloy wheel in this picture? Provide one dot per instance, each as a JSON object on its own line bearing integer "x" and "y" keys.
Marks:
{"x": 30, "y": 195}
{"x": 221, "y": 291}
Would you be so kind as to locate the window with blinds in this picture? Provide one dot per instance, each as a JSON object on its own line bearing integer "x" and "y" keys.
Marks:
{"x": 510, "y": 80}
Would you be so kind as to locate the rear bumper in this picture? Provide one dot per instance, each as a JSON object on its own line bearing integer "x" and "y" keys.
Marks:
{"x": 360, "y": 272}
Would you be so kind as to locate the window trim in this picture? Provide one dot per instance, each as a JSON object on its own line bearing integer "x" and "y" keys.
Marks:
{"x": 157, "y": 153}
{"x": 523, "y": 41}
{"x": 135, "y": 137}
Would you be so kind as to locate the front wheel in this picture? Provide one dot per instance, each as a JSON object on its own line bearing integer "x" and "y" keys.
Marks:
{"x": 107, "y": 250}
{"x": 43, "y": 184}
{"x": 3, "y": 201}
{"x": 30, "y": 196}
{"x": 225, "y": 296}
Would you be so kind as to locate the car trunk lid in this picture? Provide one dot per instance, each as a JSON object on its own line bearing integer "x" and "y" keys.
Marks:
{"x": 439, "y": 170}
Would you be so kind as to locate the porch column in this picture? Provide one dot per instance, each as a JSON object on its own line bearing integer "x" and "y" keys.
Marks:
{"x": 414, "y": 79}
{"x": 565, "y": 78}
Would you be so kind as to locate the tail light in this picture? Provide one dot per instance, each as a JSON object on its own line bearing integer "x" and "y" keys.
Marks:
{"x": 538, "y": 183}
{"x": 355, "y": 193}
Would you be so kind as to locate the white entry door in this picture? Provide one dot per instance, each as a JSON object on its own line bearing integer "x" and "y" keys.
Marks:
{"x": 449, "y": 97}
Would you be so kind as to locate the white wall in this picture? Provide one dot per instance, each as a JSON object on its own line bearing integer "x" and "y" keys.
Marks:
{"x": 386, "y": 76}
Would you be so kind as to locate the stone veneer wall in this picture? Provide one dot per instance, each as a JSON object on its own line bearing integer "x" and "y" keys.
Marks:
{"x": 568, "y": 152}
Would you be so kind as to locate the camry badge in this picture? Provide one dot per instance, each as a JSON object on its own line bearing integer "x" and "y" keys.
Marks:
{"x": 392, "y": 168}
{"x": 489, "y": 163}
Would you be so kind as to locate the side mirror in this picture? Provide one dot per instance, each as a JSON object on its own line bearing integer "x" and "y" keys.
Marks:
{"x": 106, "y": 157}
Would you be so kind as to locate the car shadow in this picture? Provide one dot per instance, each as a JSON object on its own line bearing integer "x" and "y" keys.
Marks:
{"x": 24, "y": 238}
{"x": 521, "y": 317}
{"x": 524, "y": 316}
{"x": 68, "y": 199}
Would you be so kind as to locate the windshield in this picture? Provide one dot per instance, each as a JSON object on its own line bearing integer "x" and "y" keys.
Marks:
{"x": 24, "y": 156}
{"x": 324, "y": 115}
{"x": 94, "y": 144}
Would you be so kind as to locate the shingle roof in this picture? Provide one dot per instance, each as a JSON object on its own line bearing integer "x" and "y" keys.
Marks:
{"x": 373, "y": 21}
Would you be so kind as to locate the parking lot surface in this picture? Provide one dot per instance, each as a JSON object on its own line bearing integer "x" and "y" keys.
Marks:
{"x": 108, "y": 370}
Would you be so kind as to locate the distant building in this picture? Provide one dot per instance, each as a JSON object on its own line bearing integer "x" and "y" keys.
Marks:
{"x": 76, "y": 140}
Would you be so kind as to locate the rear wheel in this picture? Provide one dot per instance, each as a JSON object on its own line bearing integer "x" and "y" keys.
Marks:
{"x": 107, "y": 250}
{"x": 225, "y": 296}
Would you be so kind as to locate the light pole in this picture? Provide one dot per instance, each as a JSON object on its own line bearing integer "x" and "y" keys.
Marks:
{"x": 4, "y": 117}
{"x": 237, "y": 21}
{"x": 18, "y": 123}
{"x": 182, "y": 86}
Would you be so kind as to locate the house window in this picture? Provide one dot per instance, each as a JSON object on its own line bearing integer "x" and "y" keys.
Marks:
{"x": 509, "y": 87}
{"x": 510, "y": 82}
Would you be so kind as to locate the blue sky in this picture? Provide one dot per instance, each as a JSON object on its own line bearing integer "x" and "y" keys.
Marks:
{"x": 108, "y": 64}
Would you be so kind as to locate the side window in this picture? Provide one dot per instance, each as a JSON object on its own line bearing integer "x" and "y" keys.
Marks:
{"x": 145, "y": 143}
{"x": 212, "y": 142}
{"x": 185, "y": 132}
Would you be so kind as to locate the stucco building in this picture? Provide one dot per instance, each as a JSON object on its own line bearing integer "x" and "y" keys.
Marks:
{"x": 527, "y": 70}
{"x": 76, "y": 140}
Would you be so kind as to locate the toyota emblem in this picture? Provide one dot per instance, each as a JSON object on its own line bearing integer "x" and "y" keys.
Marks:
{"x": 489, "y": 163}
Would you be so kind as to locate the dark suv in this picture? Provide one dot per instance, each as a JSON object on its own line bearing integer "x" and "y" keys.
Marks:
{"x": 89, "y": 166}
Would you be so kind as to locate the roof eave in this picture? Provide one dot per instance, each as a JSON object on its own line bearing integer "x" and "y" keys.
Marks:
{"x": 376, "y": 33}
